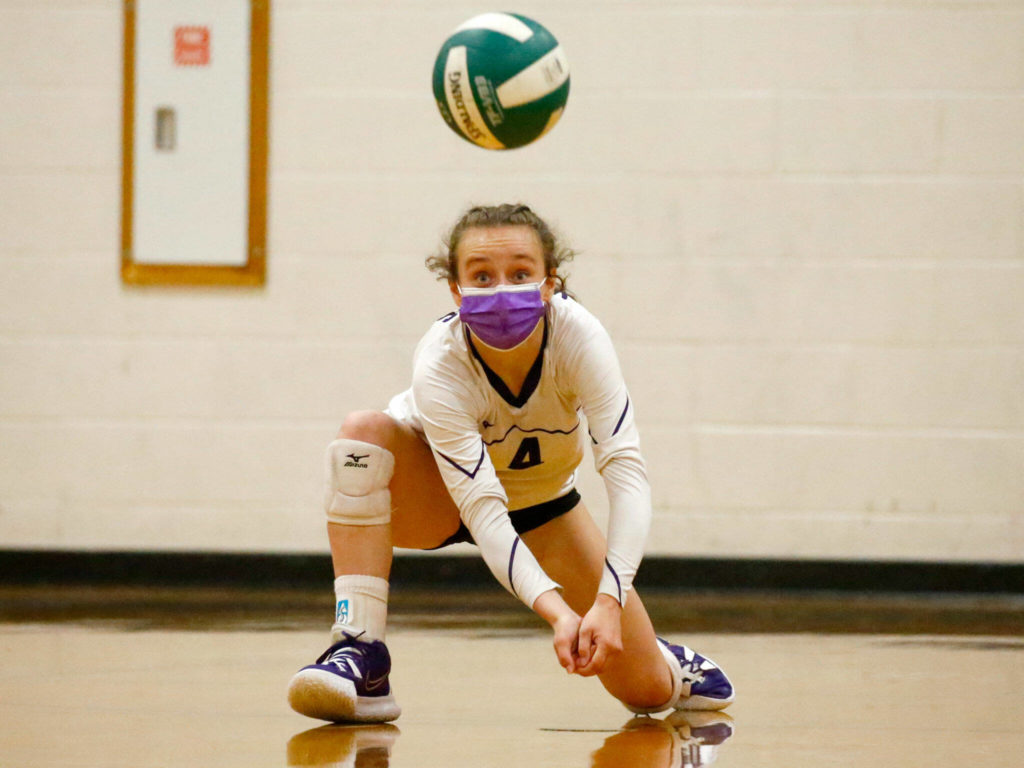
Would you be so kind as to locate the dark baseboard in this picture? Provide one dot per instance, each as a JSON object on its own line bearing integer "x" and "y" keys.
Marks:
{"x": 302, "y": 571}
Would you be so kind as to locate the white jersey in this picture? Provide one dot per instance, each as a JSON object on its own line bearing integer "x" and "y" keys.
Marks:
{"x": 498, "y": 451}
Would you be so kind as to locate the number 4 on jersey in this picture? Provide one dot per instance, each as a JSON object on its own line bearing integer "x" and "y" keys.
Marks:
{"x": 528, "y": 454}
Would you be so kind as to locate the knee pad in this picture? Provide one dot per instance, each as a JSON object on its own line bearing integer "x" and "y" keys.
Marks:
{"x": 358, "y": 474}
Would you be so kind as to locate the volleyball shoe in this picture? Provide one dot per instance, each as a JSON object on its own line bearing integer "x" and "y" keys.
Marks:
{"x": 347, "y": 684}
{"x": 704, "y": 685}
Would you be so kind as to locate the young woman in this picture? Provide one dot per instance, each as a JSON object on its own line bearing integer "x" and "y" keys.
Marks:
{"x": 484, "y": 447}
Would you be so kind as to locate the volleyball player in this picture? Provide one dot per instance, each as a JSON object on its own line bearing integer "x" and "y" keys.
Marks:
{"x": 484, "y": 447}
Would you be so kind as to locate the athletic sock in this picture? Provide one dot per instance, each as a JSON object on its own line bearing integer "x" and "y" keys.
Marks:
{"x": 361, "y": 606}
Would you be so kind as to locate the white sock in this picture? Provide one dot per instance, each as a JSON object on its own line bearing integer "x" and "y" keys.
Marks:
{"x": 362, "y": 606}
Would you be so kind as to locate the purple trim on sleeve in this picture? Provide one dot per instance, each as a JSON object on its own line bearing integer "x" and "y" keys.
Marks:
{"x": 511, "y": 559}
{"x": 463, "y": 470}
{"x": 618, "y": 584}
{"x": 621, "y": 418}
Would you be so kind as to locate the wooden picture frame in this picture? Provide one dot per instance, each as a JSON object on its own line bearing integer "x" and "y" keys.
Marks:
{"x": 135, "y": 271}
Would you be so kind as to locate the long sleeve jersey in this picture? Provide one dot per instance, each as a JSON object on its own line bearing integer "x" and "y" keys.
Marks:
{"x": 499, "y": 450}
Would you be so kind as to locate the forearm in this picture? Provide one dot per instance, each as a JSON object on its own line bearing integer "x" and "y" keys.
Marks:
{"x": 551, "y": 607}
{"x": 629, "y": 498}
{"x": 565, "y": 624}
{"x": 508, "y": 558}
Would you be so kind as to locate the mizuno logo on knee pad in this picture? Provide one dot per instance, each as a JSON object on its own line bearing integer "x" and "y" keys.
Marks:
{"x": 356, "y": 460}
{"x": 358, "y": 475}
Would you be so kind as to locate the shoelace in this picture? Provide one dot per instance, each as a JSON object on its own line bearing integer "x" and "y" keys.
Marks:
{"x": 350, "y": 653}
{"x": 692, "y": 673}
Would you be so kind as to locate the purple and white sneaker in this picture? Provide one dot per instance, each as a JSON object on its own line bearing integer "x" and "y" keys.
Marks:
{"x": 347, "y": 684}
{"x": 705, "y": 686}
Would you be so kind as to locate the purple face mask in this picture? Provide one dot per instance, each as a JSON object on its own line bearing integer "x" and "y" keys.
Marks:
{"x": 503, "y": 316}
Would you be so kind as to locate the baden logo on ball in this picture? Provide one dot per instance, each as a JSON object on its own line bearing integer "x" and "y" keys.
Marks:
{"x": 501, "y": 80}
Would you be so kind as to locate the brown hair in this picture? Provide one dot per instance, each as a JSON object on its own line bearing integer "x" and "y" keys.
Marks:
{"x": 445, "y": 265}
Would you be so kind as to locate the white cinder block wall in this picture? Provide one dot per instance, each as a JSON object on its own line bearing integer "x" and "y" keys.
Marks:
{"x": 802, "y": 221}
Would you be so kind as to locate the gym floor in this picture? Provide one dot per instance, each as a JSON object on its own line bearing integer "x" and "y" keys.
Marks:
{"x": 165, "y": 677}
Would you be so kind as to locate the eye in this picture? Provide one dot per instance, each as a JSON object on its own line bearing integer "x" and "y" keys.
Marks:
{"x": 480, "y": 278}
{"x": 522, "y": 276}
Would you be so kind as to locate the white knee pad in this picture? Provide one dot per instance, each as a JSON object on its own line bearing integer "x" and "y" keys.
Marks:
{"x": 358, "y": 474}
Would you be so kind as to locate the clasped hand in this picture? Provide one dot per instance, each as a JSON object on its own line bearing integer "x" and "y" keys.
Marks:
{"x": 584, "y": 646}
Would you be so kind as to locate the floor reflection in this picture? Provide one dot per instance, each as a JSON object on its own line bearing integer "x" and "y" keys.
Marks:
{"x": 680, "y": 740}
{"x": 358, "y": 746}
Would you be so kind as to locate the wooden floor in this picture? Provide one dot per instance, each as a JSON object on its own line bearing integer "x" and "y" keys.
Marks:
{"x": 113, "y": 690}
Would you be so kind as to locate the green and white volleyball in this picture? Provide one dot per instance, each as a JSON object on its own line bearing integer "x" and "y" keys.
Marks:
{"x": 501, "y": 80}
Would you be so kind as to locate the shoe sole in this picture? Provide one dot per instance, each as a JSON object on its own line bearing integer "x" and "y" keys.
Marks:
{"x": 703, "y": 704}
{"x": 327, "y": 696}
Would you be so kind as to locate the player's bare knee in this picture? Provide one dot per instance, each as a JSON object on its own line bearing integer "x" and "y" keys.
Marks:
{"x": 648, "y": 700}
{"x": 368, "y": 426}
{"x": 358, "y": 475}
{"x": 653, "y": 692}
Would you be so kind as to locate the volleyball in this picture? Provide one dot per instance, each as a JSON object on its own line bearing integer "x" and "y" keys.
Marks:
{"x": 501, "y": 80}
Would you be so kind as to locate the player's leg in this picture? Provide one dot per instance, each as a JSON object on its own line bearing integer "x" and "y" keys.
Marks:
{"x": 411, "y": 508}
{"x": 648, "y": 675}
{"x": 420, "y": 515}
{"x": 383, "y": 489}
{"x": 571, "y": 550}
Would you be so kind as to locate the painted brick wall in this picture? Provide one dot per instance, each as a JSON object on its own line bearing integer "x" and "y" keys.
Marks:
{"x": 802, "y": 221}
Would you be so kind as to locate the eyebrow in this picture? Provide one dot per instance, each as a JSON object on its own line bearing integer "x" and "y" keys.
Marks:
{"x": 487, "y": 259}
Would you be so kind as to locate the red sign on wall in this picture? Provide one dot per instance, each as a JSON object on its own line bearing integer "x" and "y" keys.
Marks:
{"x": 191, "y": 46}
